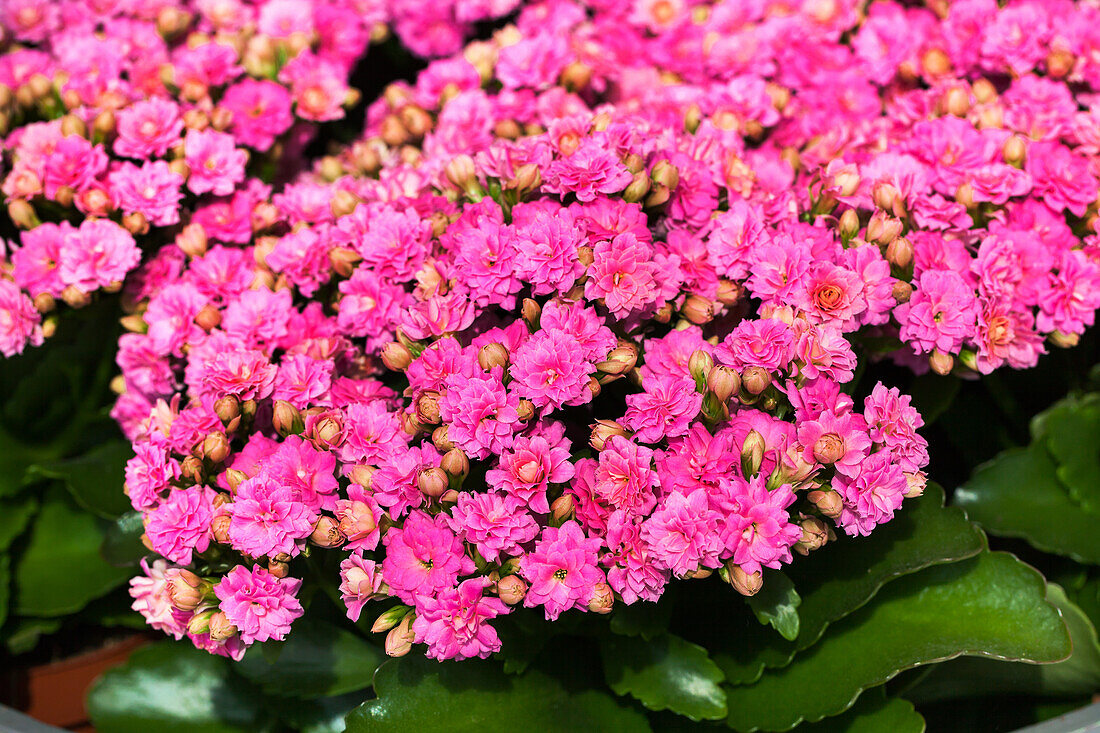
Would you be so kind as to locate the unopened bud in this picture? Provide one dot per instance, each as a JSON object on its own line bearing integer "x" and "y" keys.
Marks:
{"x": 191, "y": 468}
{"x": 983, "y": 91}
{"x": 400, "y": 639}
{"x": 356, "y": 520}
{"x": 1015, "y": 151}
{"x": 603, "y": 431}
{"x": 603, "y": 599}
{"x": 361, "y": 474}
{"x": 427, "y": 407}
{"x": 755, "y": 379}
{"x": 700, "y": 364}
{"x": 278, "y": 568}
{"x": 511, "y": 589}
{"x": 389, "y": 618}
{"x": 526, "y": 410}
{"x": 956, "y": 102}
{"x": 287, "y": 419}
{"x": 227, "y": 408}
{"x": 185, "y": 589}
{"x": 1060, "y": 62}
{"x": 621, "y": 359}
{"x": 531, "y": 312}
{"x": 915, "y": 484}
{"x": 492, "y": 355}
{"x": 234, "y": 477}
{"x": 22, "y": 214}
{"x": 698, "y": 310}
{"x": 343, "y": 260}
{"x": 827, "y": 501}
{"x": 941, "y": 363}
{"x": 1064, "y": 340}
{"x": 432, "y": 481}
{"x": 396, "y": 356}
{"x": 326, "y": 533}
{"x": 729, "y": 292}
{"x": 135, "y": 223}
{"x": 829, "y": 449}
{"x": 899, "y": 252}
{"x": 724, "y": 382}
{"x": 200, "y": 622}
{"x": 815, "y": 533}
{"x": 455, "y": 463}
{"x": 665, "y": 174}
{"x": 440, "y": 439}
{"x": 220, "y": 628}
{"x": 563, "y": 508}
{"x": 752, "y": 454}
{"x": 638, "y": 188}
{"x": 215, "y": 447}
{"x": 747, "y": 584}
{"x": 848, "y": 225}
{"x": 208, "y": 318}
{"x": 901, "y": 291}
{"x": 461, "y": 172}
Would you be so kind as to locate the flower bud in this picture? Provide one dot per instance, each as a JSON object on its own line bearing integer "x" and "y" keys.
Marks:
{"x": 755, "y": 379}
{"x": 208, "y": 318}
{"x": 511, "y": 589}
{"x": 752, "y": 454}
{"x": 1060, "y": 62}
{"x": 356, "y": 520}
{"x": 848, "y": 225}
{"x": 328, "y": 432}
{"x": 964, "y": 195}
{"x": 603, "y": 599}
{"x": 389, "y": 618}
{"x": 440, "y": 439}
{"x": 227, "y": 408}
{"x": 815, "y": 533}
{"x": 455, "y": 463}
{"x": 699, "y": 573}
{"x": 915, "y": 483}
{"x": 698, "y": 310}
{"x": 829, "y": 449}
{"x": 526, "y": 410}
{"x": 827, "y": 501}
{"x": 1015, "y": 151}
{"x": 461, "y": 172}
{"x": 220, "y": 628}
{"x": 665, "y": 174}
{"x": 432, "y": 481}
{"x": 286, "y": 419}
{"x": 361, "y": 474}
{"x": 326, "y": 532}
{"x": 638, "y": 188}
{"x": 234, "y": 477}
{"x": 745, "y": 583}
{"x": 531, "y": 312}
{"x": 724, "y": 382}
{"x": 278, "y": 568}
{"x": 956, "y": 102}
{"x": 427, "y": 407}
{"x": 1063, "y": 340}
{"x": 563, "y": 508}
{"x": 396, "y": 356}
{"x": 604, "y": 430}
{"x": 22, "y": 214}
{"x": 492, "y": 355}
{"x": 191, "y": 468}
{"x": 215, "y": 447}
{"x": 901, "y": 291}
{"x": 400, "y": 639}
{"x": 343, "y": 260}
{"x": 527, "y": 178}
{"x": 941, "y": 363}
{"x": 729, "y": 292}
{"x": 185, "y": 589}
{"x": 219, "y": 528}
{"x": 621, "y": 359}
{"x": 700, "y": 364}
{"x": 899, "y": 252}
{"x": 200, "y": 622}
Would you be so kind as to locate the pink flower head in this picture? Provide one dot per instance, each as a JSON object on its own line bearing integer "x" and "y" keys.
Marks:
{"x": 153, "y": 190}
{"x": 841, "y": 440}
{"x": 371, "y": 432}
{"x": 267, "y": 518}
{"x": 371, "y": 307}
{"x": 261, "y": 112}
{"x": 423, "y": 557}
{"x": 759, "y": 531}
{"x": 453, "y": 622}
{"x": 941, "y": 314}
{"x": 480, "y": 413}
{"x": 149, "y": 473}
{"x": 562, "y": 570}
{"x": 893, "y": 423}
{"x": 148, "y": 128}
{"x": 151, "y": 600}
{"x": 631, "y": 571}
{"x": 822, "y": 351}
{"x": 243, "y": 373}
{"x": 527, "y": 469}
{"x": 260, "y": 605}
{"x": 734, "y": 237}
{"x": 1072, "y": 296}
{"x": 216, "y": 165}
{"x": 665, "y": 409}
{"x": 548, "y": 372}
{"x": 359, "y": 516}
{"x": 762, "y": 342}
{"x": 74, "y": 163}
{"x": 1062, "y": 178}
{"x": 697, "y": 460}
{"x": 307, "y": 472}
{"x": 395, "y": 483}
{"x": 625, "y": 478}
{"x": 831, "y": 293}
{"x": 317, "y": 87}
{"x": 589, "y": 171}
{"x": 582, "y": 323}
{"x": 98, "y": 254}
{"x": 622, "y": 274}
{"x": 487, "y": 522}
{"x": 302, "y": 381}
{"x": 360, "y": 581}
{"x": 547, "y": 239}
{"x": 36, "y": 265}
{"x": 872, "y": 495}
{"x": 20, "y": 322}
{"x": 682, "y": 535}
{"x": 181, "y": 523}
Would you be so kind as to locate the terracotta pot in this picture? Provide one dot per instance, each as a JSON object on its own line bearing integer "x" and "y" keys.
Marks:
{"x": 54, "y": 693}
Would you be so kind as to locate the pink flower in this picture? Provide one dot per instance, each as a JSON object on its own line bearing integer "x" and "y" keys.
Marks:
{"x": 590, "y": 170}
{"x": 762, "y": 342}
{"x": 631, "y": 571}
{"x": 98, "y": 254}
{"x": 36, "y": 266}
{"x": 307, "y": 472}
{"x": 735, "y": 236}
{"x": 317, "y": 87}
{"x": 267, "y": 518}
{"x": 833, "y": 294}
{"x": 260, "y": 605}
{"x": 697, "y": 460}
{"x": 822, "y": 351}
{"x": 149, "y": 473}
{"x": 180, "y": 524}
{"x": 261, "y": 112}
{"x": 148, "y": 128}
{"x": 625, "y": 478}
{"x": 153, "y": 190}
{"x": 74, "y": 163}
{"x": 302, "y": 381}
{"x": 665, "y": 409}
{"x": 872, "y": 495}
{"x": 395, "y": 483}
{"x": 838, "y": 440}
{"x": 480, "y": 414}
{"x": 485, "y": 254}
{"x": 151, "y": 600}
{"x": 243, "y": 373}
{"x": 360, "y": 581}
{"x": 758, "y": 532}
{"x": 528, "y": 469}
{"x": 940, "y": 315}
{"x": 20, "y": 322}
{"x": 359, "y": 516}
{"x": 1062, "y": 178}
{"x": 371, "y": 307}
{"x": 547, "y": 239}
{"x": 216, "y": 165}
{"x": 1006, "y": 335}
{"x": 371, "y": 432}
{"x": 562, "y": 570}
{"x": 893, "y": 423}
{"x": 583, "y": 324}
{"x": 548, "y": 372}
{"x": 682, "y": 534}
{"x": 1072, "y": 296}
{"x": 423, "y": 557}
{"x": 486, "y": 521}
{"x": 622, "y": 274}
{"x": 452, "y": 623}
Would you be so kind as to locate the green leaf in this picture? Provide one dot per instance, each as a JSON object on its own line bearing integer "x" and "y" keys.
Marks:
{"x": 991, "y": 605}
{"x": 873, "y": 713}
{"x": 1018, "y": 494}
{"x": 321, "y": 715}
{"x": 5, "y": 586}
{"x": 173, "y": 686}
{"x": 642, "y": 618}
{"x": 122, "y": 544}
{"x": 419, "y": 695}
{"x": 777, "y": 604}
{"x": 22, "y": 634}
{"x": 666, "y": 673}
{"x": 15, "y": 514}
{"x": 975, "y": 677}
{"x": 95, "y": 479}
{"x": 60, "y": 568}
{"x": 845, "y": 574}
{"x": 1071, "y": 430}
{"x": 317, "y": 660}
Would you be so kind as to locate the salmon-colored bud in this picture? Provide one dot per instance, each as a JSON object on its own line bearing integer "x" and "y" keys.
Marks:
{"x": 455, "y": 463}
{"x": 399, "y": 640}
{"x": 227, "y": 408}
{"x": 343, "y": 260}
{"x": 724, "y": 382}
{"x": 531, "y": 312}
{"x": 563, "y": 508}
{"x": 755, "y": 379}
{"x": 1015, "y": 151}
{"x": 278, "y": 568}
{"x": 848, "y": 225}
{"x": 208, "y": 318}
{"x": 492, "y": 355}
{"x": 343, "y": 203}
{"x": 22, "y": 214}
{"x": 215, "y": 447}
{"x": 326, "y": 533}
{"x": 427, "y": 407}
{"x": 829, "y": 449}
{"x": 234, "y": 477}
{"x": 135, "y": 223}
{"x": 526, "y": 410}
{"x": 1060, "y": 62}
{"x": 461, "y": 172}
{"x": 603, "y": 599}
{"x": 287, "y": 419}
{"x": 828, "y": 502}
{"x": 747, "y": 584}
{"x": 815, "y": 533}
{"x": 700, "y": 364}
{"x": 219, "y": 528}
{"x": 604, "y": 430}
{"x": 621, "y": 359}
{"x": 752, "y": 454}
{"x": 432, "y": 481}
{"x": 192, "y": 240}
{"x": 356, "y": 520}
{"x": 941, "y": 363}
{"x": 191, "y": 468}
{"x": 440, "y": 439}
{"x": 396, "y": 356}
{"x": 935, "y": 62}
{"x": 915, "y": 484}
{"x": 902, "y": 291}
{"x": 185, "y": 589}
{"x": 698, "y": 310}
{"x": 511, "y": 589}
{"x": 956, "y": 102}
{"x": 361, "y": 474}
{"x": 220, "y": 628}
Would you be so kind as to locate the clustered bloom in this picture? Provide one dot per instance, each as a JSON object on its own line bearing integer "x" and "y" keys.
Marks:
{"x": 650, "y": 234}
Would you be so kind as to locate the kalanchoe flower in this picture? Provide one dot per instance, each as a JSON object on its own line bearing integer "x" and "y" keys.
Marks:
{"x": 360, "y": 581}
{"x": 268, "y": 518}
{"x": 423, "y": 557}
{"x": 453, "y": 623}
{"x": 180, "y": 524}
{"x": 562, "y": 570}
{"x": 759, "y": 531}
{"x": 487, "y": 522}
{"x": 261, "y": 606}
{"x": 527, "y": 470}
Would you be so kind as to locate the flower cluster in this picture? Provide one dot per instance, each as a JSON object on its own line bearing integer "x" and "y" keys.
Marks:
{"x": 582, "y": 310}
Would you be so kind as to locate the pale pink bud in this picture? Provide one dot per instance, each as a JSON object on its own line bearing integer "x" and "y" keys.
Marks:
{"x": 604, "y": 430}
{"x": 563, "y": 508}
{"x": 724, "y": 382}
{"x": 755, "y": 379}
{"x": 815, "y": 533}
{"x": 356, "y": 520}
{"x": 396, "y": 356}
{"x": 427, "y": 407}
{"x": 828, "y": 449}
{"x": 432, "y": 481}
{"x": 828, "y": 502}
{"x": 455, "y": 463}
{"x": 286, "y": 419}
{"x": 511, "y": 589}
{"x": 752, "y": 453}
{"x": 326, "y": 533}
{"x": 747, "y": 584}
{"x": 185, "y": 589}
{"x": 492, "y": 355}
{"x": 603, "y": 599}
{"x": 915, "y": 484}
{"x": 215, "y": 447}
{"x": 700, "y": 364}
{"x": 400, "y": 639}
{"x": 220, "y": 628}
{"x": 621, "y": 359}
{"x": 941, "y": 363}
